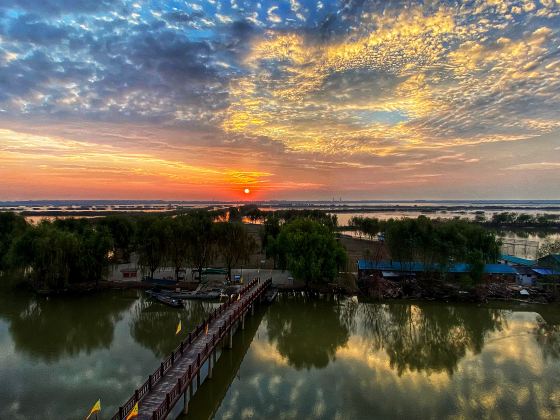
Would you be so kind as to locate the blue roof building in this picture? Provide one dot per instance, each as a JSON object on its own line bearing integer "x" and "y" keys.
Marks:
{"x": 414, "y": 267}
{"x": 513, "y": 260}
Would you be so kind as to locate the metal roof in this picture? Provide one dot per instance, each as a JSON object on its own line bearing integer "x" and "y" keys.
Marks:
{"x": 415, "y": 266}
{"x": 546, "y": 272}
{"x": 517, "y": 260}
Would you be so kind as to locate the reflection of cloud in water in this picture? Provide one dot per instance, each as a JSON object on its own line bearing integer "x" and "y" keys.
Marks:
{"x": 491, "y": 366}
{"x": 267, "y": 352}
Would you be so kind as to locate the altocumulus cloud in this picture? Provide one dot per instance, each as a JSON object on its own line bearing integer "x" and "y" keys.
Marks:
{"x": 364, "y": 85}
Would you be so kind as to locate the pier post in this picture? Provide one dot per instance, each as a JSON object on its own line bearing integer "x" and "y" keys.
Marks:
{"x": 230, "y": 339}
{"x": 198, "y": 379}
{"x": 252, "y": 309}
{"x": 214, "y": 355}
{"x": 210, "y": 366}
{"x": 243, "y": 321}
{"x": 186, "y": 400}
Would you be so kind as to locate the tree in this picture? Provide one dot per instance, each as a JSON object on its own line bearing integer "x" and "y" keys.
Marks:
{"x": 122, "y": 230}
{"x": 48, "y": 253}
{"x": 202, "y": 239}
{"x": 235, "y": 244}
{"x": 178, "y": 238}
{"x": 549, "y": 247}
{"x": 151, "y": 242}
{"x": 365, "y": 225}
{"x": 269, "y": 234}
{"x": 437, "y": 244}
{"x": 11, "y": 226}
{"x": 310, "y": 250}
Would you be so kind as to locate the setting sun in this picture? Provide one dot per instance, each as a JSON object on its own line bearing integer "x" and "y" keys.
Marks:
{"x": 246, "y": 190}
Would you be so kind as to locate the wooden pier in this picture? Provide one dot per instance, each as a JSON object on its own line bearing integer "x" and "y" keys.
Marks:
{"x": 173, "y": 379}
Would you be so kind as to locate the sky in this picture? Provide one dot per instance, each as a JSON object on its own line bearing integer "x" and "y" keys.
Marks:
{"x": 292, "y": 99}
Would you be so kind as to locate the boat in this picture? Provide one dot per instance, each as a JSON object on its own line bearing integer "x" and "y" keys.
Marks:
{"x": 167, "y": 300}
{"x": 181, "y": 295}
{"x": 210, "y": 294}
{"x": 270, "y": 295}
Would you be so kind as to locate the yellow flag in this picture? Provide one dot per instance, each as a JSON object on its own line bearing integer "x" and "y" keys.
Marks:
{"x": 95, "y": 409}
{"x": 178, "y": 330}
{"x": 133, "y": 413}
{"x": 206, "y": 329}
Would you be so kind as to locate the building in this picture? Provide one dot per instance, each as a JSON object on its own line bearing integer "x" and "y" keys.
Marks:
{"x": 550, "y": 261}
{"x": 398, "y": 270}
{"x": 524, "y": 267}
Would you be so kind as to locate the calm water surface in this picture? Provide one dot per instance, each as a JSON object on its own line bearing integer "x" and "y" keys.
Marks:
{"x": 322, "y": 359}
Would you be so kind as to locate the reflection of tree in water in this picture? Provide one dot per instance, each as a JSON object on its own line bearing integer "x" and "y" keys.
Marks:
{"x": 548, "y": 338}
{"x": 307, "y": 332}
{"x": 153, "y": 324}
{"x": 425, "y": 337}
{"x": 63, "y": 326}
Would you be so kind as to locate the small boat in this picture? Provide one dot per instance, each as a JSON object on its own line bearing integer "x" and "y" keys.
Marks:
{"x": 167, "y": 300}
{"x": 270, "y": 295}
{"x": 175, "y": 295}
{"x": 204, "y": 294}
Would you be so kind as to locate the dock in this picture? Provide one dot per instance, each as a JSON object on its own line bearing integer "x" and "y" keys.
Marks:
{"x": 173, "y": 379}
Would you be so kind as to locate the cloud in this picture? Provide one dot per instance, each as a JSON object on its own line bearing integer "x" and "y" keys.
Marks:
{"x": 535, "y": 166}
{"x": 362, "y": 86}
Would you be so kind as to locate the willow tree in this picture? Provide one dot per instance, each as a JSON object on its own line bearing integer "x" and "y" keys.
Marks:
{"x": 151, "y": 242}
{"x": 178, "y": 237}
{"x": 201, "y": 248}
{"x": 11, "y": 227}
{"x": 234, "y": 243}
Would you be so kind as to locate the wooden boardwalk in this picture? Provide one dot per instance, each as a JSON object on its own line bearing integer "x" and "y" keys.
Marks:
{"x": 174, "y": 377}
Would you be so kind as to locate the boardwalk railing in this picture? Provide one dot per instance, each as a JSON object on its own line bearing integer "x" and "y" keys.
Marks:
{"x": 183, "y": 382}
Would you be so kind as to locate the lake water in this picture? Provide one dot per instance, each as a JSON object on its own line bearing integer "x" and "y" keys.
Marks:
{"x": 298, "y": 358}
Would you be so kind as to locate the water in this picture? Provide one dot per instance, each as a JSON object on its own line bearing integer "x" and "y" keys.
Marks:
{"x": 296, "y": 359}
{"x": 58, "y": 356}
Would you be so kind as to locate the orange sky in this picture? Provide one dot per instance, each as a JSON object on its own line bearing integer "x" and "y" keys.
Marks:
{"x": 302, "y": 100}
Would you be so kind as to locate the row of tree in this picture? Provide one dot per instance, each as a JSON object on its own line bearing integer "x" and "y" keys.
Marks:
{"x": 512, "y": 219}
{"x": 65, "y": 251}
{"x": 193, "y": 239}
{"x": 434, "y": 242}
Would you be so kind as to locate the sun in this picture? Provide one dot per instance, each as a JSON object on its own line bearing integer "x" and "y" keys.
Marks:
{"x": 247, "y": 191}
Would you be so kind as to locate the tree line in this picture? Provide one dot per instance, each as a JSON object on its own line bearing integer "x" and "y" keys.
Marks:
{"x": 434, "y": 242}
{"x": 55, "y": 254}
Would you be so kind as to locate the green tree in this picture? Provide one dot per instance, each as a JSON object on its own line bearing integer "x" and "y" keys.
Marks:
{"x": 48, "y": 254}
{"x": 11, "y": 226}
{"x": 549, "y": 247}
{"x": 152, "y": 242}
{"x": 234, "y": 242}
{"x": 201, "y": 232}
{"x": 178, "y": 232}
{"x": 310, "y": 251}
{"x": 122, "y": 230}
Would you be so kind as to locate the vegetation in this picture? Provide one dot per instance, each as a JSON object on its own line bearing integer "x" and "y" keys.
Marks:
{"x": 367, "y": 226}
{"x": 234, "y": 243}
{"x": 512, "y": 219}
{"x": 549, "y": 247}
{"x": 11, "y": 226}
{"x": 54, "y": 255}
{"x": 309, "y": 250}
{"x": 435, "y": 243}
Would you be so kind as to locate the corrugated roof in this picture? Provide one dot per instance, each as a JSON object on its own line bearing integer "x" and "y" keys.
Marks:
{"x": 415, "y": 266}
{"x": 546, "y": 272}
{"x": 517, "y": 260}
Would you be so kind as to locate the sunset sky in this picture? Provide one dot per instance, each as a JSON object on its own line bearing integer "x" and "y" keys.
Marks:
{"x": 293, "y": 99}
